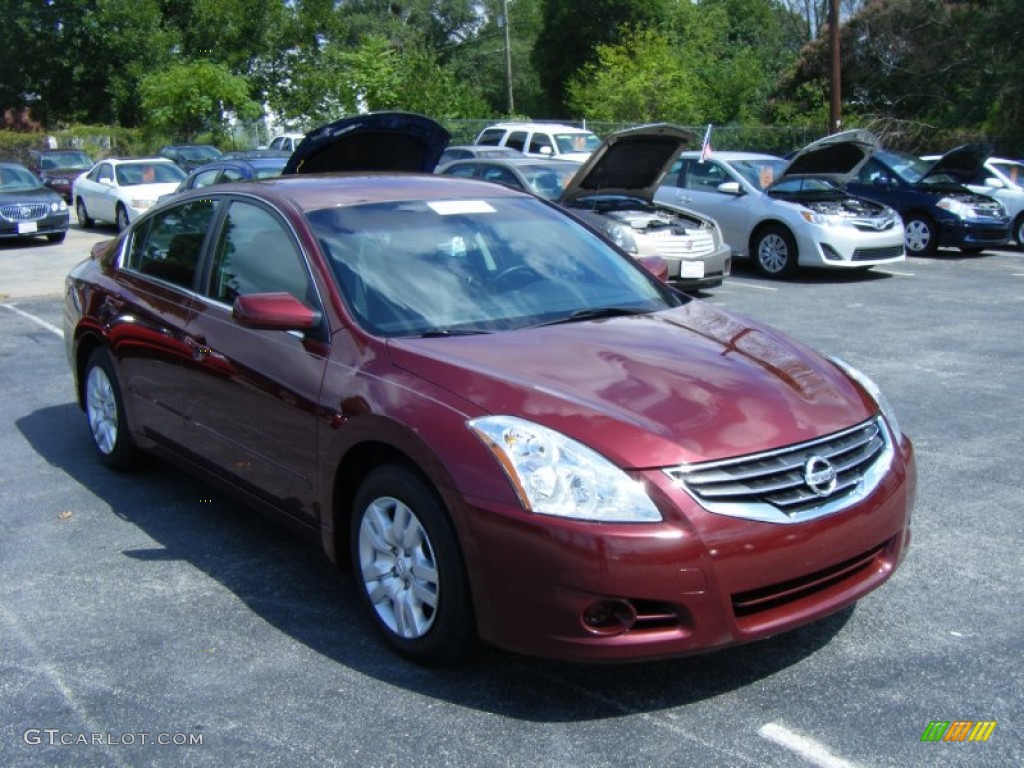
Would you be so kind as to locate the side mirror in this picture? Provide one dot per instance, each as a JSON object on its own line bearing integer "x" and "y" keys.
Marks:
{"x": 546, "y": 150}
{"x": 274, "y": 312}
{"x": 995, "y": 183}
{"x": 106, "y": 181}
{"x": 730, "y": 188}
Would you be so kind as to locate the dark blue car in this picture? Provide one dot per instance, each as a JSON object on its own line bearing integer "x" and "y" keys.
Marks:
{"x": 937, "y": 209}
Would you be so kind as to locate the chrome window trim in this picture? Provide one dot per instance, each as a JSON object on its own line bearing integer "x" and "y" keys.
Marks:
{"x": 768, "y": 513}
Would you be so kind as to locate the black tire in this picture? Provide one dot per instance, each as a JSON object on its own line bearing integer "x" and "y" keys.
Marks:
{"x": 84, "y": 220}
{"x": 121, "y": 218}
{"x": 56, "y": 237}
{"x": 414, "y": 585}
{"x": 105, "y": 415}
{"x": 920, "y": 235}
{"x": 774, "y": 252}
{"x": 1018, "y": 230}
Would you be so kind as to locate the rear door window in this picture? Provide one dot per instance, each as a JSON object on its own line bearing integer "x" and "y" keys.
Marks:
{"x": 168, "y": 245}
{"x": 516, "y": 140}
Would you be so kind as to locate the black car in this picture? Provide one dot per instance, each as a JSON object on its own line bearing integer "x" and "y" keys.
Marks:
{"x": 188, "y": 157}
{"x": 57, "y": 168}
{"x": 27, "y": 208}
{"x": 937, "y": 209}
{"x": 221, "y": 171}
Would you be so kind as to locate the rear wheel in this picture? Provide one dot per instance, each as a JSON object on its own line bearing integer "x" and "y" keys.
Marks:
{"x": 408, "y": 566}
{"x": 920, "y": 235}
{"x": 775, "y": 252}
{"x": 83, "y": 215}
{"x": 104, "y": 409}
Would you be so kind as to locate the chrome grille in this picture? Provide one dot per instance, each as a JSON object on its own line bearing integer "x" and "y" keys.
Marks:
{"x": 672, "y": 244}
{"x": 870, "y": 254}
{"x": 25, "y": 212}
{"x": 782, "y": 485}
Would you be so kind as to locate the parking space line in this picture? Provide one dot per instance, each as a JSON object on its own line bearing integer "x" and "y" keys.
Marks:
{"x": 809, "y": 749}
{"x": 741, "y": 284}
{"x": 893, "y": 272}
{"x": 48, "y": 326}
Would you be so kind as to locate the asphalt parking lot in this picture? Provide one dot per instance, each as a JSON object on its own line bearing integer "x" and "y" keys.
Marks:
{"x": 145, "y": 619}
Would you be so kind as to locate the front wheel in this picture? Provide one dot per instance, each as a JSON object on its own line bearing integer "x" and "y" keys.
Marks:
{"x": 775, "y": 252}
{"x": 121, "y": 218}
{"x": 104, "y": 409}
{"x": 1018, "y": 230}
{"x": 920, "y": 235}
{"x": 84, "y": 220}
{"x": 408, "y": 567}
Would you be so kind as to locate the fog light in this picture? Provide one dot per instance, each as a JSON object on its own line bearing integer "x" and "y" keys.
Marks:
{"x": 830, "y": 253}
{"x": 609, "y": 617}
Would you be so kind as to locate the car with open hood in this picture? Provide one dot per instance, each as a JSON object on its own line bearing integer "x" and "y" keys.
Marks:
{"x": 938, "y": 210}
{"x": 614, "y": 192}
{"x": 504, "y": 427}
{"x": 1002, "y": 179}
{"x": 29, "y": 209}
{"x": 790, "y": 213}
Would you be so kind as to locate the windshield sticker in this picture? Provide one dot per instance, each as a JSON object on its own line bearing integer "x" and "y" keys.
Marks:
{"x": 450, "y": 207}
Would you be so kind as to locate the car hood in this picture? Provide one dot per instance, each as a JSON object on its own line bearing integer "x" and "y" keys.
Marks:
{"x": 29, "y": 195}
{"x": 682, "y": 385}
{"x": 376, "y": 141}
{"x": 837, "y": 157}
{"x": 631, "y": 163}
{"x": 963, "y": 163}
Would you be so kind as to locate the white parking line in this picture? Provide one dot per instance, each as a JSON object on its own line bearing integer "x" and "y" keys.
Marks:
{"x": 809, "y": 749}
{"x": 893, "y": 272}
{"x": 48, "y": 326}
{"x": 741, "y": 284}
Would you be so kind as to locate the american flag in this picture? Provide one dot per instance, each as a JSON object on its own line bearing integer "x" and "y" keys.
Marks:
{"x": 705, "y": 150}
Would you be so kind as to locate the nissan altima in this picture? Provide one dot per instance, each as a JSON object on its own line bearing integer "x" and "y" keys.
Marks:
{"x": 507, "y": 428}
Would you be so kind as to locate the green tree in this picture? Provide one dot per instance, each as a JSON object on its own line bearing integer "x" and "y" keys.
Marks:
{"x": 572, "y": 32}
{"x": 189, "y": 98}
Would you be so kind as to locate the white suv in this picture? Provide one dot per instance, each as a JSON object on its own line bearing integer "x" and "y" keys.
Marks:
{"x": 286, "y": 142}
{"x": 562, "y": 142}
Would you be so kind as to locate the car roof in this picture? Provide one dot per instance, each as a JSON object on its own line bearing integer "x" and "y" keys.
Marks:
{"x": 540, "y": 126}
{"x": 314, "y": 191}
{"x": 728, "y": 155}
{"x": 123, "y": 160}
{"x": 515, "y": 162}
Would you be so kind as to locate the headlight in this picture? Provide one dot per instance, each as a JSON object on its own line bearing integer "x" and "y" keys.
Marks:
{"x": 957, "y": 208}
{"x": 56, "y": 207}
{"x": 824, "y": 219}
{"x": 876, "y": 394}
{"x": 622, "y": 236}
{"x": 556, "y": 475}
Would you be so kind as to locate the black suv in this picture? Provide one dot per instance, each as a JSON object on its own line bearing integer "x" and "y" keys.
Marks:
{"x": 937, "y": 209}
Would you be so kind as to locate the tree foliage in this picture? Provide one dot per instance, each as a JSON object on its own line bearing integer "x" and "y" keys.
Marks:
{"x": 189, "y": 98}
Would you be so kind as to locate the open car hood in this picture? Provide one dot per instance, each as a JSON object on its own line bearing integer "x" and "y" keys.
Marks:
{"x": 376, "y": 141}
{"x": 631, "y": 162}
{"x": 837, "y": 158}
{"x": 963, "y": 163}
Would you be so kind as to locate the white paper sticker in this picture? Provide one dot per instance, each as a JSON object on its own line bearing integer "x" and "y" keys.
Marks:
{"x": 450, "y": 207}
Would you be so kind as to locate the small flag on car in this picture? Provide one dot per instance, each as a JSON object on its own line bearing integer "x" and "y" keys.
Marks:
{"x": 705, "y": 150}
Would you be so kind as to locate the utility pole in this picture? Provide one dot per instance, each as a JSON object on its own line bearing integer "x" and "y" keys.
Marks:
{"x": 508, "y": 56}
{"x": 835, "y": 115}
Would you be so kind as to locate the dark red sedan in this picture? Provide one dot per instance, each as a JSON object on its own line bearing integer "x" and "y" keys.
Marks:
{"x": 503, "y": 424}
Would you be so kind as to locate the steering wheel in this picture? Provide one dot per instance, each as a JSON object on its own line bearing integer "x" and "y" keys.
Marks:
{"x": 516, "y": 276}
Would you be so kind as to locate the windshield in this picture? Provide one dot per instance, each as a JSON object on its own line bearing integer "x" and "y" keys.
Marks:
{"x": 199, "y": 153}
{"x": 416, "y": 268}
{"x": 548, "y": 179}
{"x": 576, "y": 142}
{"x": 1013, "y": 171}
{"x": 13, "y": 179}
{"x": 130, "y": 174}
{"x": 762, "y": 172}
{"x": 909, "y": 168}
{"x": 68, "y": 160}
{"x": 804, "y": 184}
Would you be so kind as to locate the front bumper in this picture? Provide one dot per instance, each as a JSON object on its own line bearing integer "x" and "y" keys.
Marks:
{"x": 693, "y": 583}
{"x": 48, "y": 225}
{"x": 846, "y": 247}
{"x": 960, "y": 233}
{"x": 705, "y": 271}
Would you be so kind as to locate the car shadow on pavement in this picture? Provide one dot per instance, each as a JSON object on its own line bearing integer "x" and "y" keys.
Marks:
{"x": 287, "y": 582}
{"x": 744, "y": 268}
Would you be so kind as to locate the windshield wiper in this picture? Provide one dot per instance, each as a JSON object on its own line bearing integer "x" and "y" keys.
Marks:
{"x": 595, "y": 313}
{"x": 440, "y": 332}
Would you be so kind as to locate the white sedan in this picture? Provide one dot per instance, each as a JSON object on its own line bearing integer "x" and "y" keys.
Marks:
{"x": 119, "y": 190}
